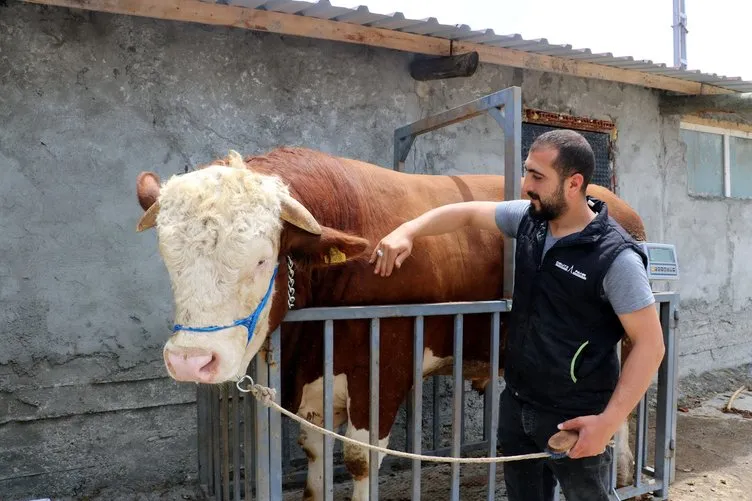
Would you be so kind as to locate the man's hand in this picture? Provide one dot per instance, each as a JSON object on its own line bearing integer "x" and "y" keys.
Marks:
{"x": 595, "y": 434}
{"x": 392, "y": 250}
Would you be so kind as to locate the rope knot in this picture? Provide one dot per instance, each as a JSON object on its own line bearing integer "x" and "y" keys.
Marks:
{"x": 262, "y": 393}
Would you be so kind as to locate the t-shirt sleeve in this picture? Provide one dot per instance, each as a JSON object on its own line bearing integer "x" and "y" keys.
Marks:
{"x": 626, "y": 283}
{"x": 509, "y": 215}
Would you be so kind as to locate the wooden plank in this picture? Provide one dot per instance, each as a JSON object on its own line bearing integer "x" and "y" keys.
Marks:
{"x": 290, "y": 24}
{"x": 680, "y": 105}
{"x": 712, "y": 122}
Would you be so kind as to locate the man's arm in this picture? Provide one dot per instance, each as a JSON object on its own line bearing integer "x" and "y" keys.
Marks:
{"x": 492, "y": 216}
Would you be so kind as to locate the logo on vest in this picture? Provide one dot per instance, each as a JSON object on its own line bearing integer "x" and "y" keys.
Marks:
{"x": 570, "y": 269}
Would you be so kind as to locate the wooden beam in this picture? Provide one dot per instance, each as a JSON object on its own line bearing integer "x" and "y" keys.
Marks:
{"x": 680, "y": 105}
{"x": 721, "y": 124}
{"x": 290, "y": 24}
{"x": 438, "y": 68}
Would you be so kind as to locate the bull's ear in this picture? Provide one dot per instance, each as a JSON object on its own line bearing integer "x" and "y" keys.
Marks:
{"x": 147, "y": 191}
{"x": 331, "y": 247}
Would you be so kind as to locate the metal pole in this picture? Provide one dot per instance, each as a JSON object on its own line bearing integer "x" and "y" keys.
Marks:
{"x": 680, "y": 35}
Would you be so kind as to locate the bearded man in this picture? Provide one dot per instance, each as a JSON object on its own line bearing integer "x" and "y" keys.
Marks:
{"x": 580, "y": 284}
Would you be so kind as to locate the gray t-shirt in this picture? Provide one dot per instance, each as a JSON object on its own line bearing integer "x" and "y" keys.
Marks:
{"x": 626, "y": 283}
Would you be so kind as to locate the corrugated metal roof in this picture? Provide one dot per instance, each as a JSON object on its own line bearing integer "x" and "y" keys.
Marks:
{"x": 323, "y": 9}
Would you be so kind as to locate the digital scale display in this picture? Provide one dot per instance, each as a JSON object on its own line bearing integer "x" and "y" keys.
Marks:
{"x": 662, "y": 262}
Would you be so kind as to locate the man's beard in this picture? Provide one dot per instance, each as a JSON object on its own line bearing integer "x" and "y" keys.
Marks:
{"x": 550, "y": 208}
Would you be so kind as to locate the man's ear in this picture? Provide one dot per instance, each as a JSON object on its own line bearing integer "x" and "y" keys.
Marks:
{"x": 331, "y": 248}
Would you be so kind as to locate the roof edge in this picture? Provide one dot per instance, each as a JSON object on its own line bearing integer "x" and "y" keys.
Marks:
{"x": 253, "y": 18}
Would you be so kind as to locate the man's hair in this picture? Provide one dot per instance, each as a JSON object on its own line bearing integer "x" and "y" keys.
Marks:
{"x": 575, "y": 156}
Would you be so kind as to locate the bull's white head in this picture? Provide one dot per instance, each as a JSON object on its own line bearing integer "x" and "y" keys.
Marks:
{"x": 220, "y": 232}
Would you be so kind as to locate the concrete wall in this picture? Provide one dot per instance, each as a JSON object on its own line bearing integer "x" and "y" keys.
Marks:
{"x": 88, "y": 100}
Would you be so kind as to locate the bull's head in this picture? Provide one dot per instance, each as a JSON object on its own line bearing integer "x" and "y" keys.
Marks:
{"x": 220, "y": 232}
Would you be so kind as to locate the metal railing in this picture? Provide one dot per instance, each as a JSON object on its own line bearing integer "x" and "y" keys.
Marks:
{"x": 235, "y": 465}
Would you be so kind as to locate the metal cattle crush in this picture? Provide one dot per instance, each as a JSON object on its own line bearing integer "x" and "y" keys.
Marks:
{"x": 242, "y": 444}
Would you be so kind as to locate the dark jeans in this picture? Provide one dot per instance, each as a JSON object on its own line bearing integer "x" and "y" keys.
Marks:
{"x": 523, "y": 430}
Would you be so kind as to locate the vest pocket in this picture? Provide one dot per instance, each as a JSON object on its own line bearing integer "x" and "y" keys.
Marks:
{"x": 573, "y": 363}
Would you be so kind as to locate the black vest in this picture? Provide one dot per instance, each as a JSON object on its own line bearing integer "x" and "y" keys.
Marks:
{"x": 560, "y": 352}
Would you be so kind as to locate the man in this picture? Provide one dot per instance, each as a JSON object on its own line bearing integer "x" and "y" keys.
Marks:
{"x": 580, "y": 284}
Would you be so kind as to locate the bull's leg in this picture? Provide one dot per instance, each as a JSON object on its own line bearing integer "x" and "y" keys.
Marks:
{"x": 624, "y": 458}
{"x": 312, "y": 442}
{"x": 357, "y": 458}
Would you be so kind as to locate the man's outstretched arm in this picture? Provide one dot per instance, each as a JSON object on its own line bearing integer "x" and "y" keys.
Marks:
{"x": 397, "y": 246}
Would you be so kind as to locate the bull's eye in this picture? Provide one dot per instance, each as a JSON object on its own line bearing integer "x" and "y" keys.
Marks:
{"x": 261, "y": 262}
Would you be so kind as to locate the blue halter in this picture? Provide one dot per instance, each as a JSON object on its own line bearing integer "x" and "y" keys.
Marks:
{"x": 248, "y": 322}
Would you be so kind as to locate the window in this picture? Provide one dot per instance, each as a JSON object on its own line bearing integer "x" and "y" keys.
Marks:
{"x": 536, "y": 122}
{"x": 719, "y": 161}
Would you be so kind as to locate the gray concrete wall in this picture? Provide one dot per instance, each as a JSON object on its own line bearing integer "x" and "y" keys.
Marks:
{"x": 88, "y": 100}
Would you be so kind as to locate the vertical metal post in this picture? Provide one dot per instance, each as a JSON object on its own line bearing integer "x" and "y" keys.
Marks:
{"x": 512, "y": 173}
{"x": 494, "y": 404}
{"x": 262, "y": 433}
{"x": 680, "y": 35}
{"x": 235, "y": 443}
{"x": 203, "y": 436}
{"x": 673, "y": 382}
{"x": 664, "y": 412}
{"x": 373, "y": 456}
{"x": 416, "y": 404}
{"x": 640, "y": 440}
{"x": 274, "y": 359}
{"x": 328, "y": 409}
{"x": 457, "y": 405}
{"x": 216, "y": 442}
{"x": 435, "y": 427}
{"x": 249, "y": 445}
{"x": 224, "y": 420}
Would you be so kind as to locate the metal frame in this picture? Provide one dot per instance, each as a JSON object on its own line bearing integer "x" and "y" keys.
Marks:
{"x": 504, "y": 106}
{"x": 224, "y": 475}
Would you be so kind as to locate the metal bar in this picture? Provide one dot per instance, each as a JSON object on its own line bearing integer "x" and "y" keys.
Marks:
{"x": 453, "y": 115}
{"x": 640, "y": 439}
{"x": 217, "y": 487}
{"x": 512, "y": 173}
{"x": 493, "y": 389}
{"x": 402, "y": 147}
{"x": 665, "y": 399}
{"x": 275, "y": 418}
{"x": 201, "y": 436}
{"x": 680, "y": 35}
{"x": 328, "y": 409}
{"x": 262, "y": 433}
{"x": 435, "y": 428}
{"x": 390, "y": 311}
{"x": 248, "y": 448}
{"x": 373, "y": 458}
{"x": 726, "y": 165}
{"x": 673, "y": 304}
{"x": 225, "y": 425}
{"x": 416, "y": 404}
{"x": 236, "y": 443}
{"x": 457, "y": 405}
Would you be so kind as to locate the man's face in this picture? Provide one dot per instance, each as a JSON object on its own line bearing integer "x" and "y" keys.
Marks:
{"x": 544, "y": 185}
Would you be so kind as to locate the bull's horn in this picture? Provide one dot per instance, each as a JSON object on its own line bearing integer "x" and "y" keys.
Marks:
{"x": 236, "y": 161}
{"x": 294, "y": 213}
{"x": 149, "y": 219}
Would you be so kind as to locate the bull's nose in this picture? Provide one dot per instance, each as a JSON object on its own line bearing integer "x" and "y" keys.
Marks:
{"x": 191, "y": 365}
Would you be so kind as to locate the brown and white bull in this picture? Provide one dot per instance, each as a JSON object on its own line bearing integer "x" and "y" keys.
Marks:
{"x": 226, "y": 230}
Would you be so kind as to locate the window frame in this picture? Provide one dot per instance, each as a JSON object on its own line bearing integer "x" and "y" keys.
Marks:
{"x": 725, "y": 133}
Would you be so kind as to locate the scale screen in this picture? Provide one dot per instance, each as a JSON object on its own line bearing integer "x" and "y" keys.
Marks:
{"x": 662, "y": 262}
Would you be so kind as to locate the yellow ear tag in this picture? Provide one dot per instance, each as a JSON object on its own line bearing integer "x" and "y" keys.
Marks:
{"x": 335, "y": 256}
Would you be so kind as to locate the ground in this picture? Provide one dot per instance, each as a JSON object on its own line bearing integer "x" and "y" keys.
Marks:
{"x": 714, "y": 454}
